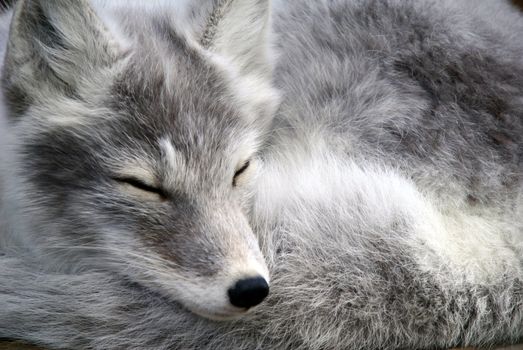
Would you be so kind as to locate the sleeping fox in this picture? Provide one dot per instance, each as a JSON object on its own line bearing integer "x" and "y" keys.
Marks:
{"x": 165, "y": 163}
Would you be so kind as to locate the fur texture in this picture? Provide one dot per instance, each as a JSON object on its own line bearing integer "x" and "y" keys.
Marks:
{"x": 385, "y": 192}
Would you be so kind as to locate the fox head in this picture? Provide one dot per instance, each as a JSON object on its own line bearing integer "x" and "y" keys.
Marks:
{"x": 135, "y": 140}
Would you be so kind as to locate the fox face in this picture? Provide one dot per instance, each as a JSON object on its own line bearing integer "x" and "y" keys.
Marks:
{"x": 134, "y": 148}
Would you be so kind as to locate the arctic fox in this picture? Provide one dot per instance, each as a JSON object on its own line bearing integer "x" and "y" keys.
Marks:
{"x": 168, "y": 160}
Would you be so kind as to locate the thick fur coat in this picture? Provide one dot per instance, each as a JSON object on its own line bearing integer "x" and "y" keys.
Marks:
{"x": 385, "y": 190}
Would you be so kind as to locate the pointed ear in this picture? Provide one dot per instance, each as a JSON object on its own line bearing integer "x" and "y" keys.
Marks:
{"x": 239, "y": 30}
{"x": 53, "y": 45}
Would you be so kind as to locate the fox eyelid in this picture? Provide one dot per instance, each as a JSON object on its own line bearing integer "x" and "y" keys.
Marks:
{"x": 240, "y": 171}
{"x": 141, "y": 185}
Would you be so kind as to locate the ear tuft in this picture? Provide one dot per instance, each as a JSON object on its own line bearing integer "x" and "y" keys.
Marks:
{"x": 53, "y": 44}
{"x": 239, "y": 30}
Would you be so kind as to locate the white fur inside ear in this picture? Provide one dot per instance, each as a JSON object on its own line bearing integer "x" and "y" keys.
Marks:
{"x": 52, "y": 51}
{"x": 241, "y": 34}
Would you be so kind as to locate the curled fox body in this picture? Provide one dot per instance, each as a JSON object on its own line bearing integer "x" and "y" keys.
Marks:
{"x": 165, "y": 164}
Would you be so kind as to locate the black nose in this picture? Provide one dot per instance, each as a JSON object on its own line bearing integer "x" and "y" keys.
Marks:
{"x": 248, "y": 292}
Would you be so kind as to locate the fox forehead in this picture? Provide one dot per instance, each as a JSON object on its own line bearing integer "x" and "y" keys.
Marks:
{"x": 184, "y": 94}
{"x": 192, "y": 127}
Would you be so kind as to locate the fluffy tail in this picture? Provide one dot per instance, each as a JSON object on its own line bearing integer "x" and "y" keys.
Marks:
{"x": 391, "y": 309}
{"x": 348, "y": 275}
{"x": 98, "y": 311}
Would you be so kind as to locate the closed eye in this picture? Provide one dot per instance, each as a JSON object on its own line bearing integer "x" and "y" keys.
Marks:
{"x": 239, "y": 172}
{"x": 138, "y": 184}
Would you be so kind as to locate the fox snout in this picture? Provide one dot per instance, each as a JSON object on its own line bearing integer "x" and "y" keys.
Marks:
{"x": 209, "y": 260}
{"x": 226, "y": 297}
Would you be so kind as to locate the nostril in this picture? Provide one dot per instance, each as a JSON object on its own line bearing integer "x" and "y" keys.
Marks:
{"x": 248, "y": 292}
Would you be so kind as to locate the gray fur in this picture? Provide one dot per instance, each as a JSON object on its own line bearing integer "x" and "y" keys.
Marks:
{"x": 387, "y": 202}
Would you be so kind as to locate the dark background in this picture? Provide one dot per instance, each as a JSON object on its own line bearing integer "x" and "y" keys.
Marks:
{"x": 4, "y": 3}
